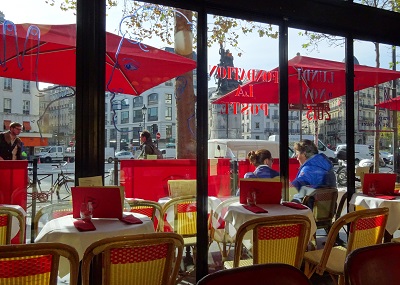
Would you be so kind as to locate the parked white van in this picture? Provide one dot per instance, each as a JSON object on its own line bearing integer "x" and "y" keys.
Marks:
{"x": 321, "y": 147}
{"x": 237, "y": 149}
{"x": 361, "y": 151}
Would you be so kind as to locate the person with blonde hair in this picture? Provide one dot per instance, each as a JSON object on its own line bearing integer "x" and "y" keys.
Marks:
{"x": 316, "y": 170}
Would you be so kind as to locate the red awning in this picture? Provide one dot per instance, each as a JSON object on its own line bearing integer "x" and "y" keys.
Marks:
{"x": 7, "y": 124}
{"x": 27, "y": 126}
{"x": 311, "y": 80}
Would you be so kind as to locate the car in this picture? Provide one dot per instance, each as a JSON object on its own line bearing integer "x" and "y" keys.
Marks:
{"x": 385, "y": 156}
{"x": 124, "y": 155}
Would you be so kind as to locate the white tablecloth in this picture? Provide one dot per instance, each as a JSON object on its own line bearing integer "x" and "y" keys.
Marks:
{"x": 238, "y": 215}
{"x": 393, "y": 223}
{"x": 15, "y": 224}
{"x": 63, "y": 230}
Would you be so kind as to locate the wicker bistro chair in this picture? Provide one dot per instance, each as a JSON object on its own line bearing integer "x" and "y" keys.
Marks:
{"x": 260, "y": 274}
{"x": 180, "y": 216}
{"x": 376, "y": 264}
{"x": 36, "y": 263}
{"x": 50, "y": 212}
{"x": 216, "y": 225}
{"x": 136, "y": 260}
{"x": 367, "y": 228}
{"x": 146, "y": 207}
{"x": 6, "y": 215}
{"x": 278, "y": 239}
{"x": 323, "y": 202}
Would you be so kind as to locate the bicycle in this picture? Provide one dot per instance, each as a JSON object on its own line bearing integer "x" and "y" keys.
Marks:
{"x": 63, "y": 181}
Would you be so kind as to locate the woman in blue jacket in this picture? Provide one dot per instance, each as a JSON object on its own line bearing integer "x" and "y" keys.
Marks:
{"x": 316, "y": 170}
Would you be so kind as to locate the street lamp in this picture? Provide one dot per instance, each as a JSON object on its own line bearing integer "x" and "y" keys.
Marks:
{"x": 144, "y": 112}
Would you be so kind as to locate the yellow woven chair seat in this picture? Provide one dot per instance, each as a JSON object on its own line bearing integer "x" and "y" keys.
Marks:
{"x": 36, "y": 263}
{"x": 242, "y": 262}
{"x": 150, "y": 259}
{"x": 6, "y": 215}
{"x": 281, "y": 239}
{"x": 335, "y": 264}
{"x": 190, "y": 240}
{"x": 366, "y": 228}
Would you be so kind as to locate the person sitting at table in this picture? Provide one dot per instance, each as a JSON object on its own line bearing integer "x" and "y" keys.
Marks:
{"x": 316, "y": 170}
{"x": 262, "y": 160}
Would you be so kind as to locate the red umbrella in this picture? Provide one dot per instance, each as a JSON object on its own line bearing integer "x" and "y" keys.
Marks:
{"x": 316, "y": 79}
{"x": 47, "y": 53}
{"x": 391, "y": 104}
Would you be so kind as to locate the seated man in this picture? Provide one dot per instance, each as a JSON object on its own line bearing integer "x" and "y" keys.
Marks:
{"x": 316, "y": 170}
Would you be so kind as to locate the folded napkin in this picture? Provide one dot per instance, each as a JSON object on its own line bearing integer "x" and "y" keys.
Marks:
{"x": 294, "y": 205}
{"x": 255, "y": 209}
{"x": 131, "y": 219}
{"x": 385, "y": 197}
{"x": 84, "y": 226}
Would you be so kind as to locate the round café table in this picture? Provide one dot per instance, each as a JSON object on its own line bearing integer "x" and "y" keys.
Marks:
{"x": 63, "y": 230}
{"x": 236, "y": 215}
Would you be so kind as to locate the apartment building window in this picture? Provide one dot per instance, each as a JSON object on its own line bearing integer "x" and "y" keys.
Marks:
{"x": 152, "y": 99}
{"x": 124, "y": 137}
{"x": 7, "y": 105}
{"x": 152, "y": 114}
{"x": 137, "y": 116}
{"x": 125, "y": 117}
{"x": 168, "y": 113}
{"x": 26, "y": 87}
{"x": 7, "y": 84}
{"x": 26, "y": 107}
{"x": 168, "y": 98}
{"x": 168, "y": 83}
{"x": 138, "y": 102}
{"x": 257, "y": 125}
{"x": 124, "y": 104}
{"x": 168, "y": 132}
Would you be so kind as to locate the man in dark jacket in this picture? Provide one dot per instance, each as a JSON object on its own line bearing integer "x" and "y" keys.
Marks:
{"x": 148, "y": 146}
{"x": 10, "y": 143}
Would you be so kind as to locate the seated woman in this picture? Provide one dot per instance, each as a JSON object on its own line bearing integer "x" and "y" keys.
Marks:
{"x": 316, "y": 170}
{"x": 262, "y": 160}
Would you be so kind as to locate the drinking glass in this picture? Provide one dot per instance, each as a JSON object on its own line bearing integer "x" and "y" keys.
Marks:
{"x": 86, "y": 211}
{"x": 372, "y": 190}
{"x": 252, "y": 199}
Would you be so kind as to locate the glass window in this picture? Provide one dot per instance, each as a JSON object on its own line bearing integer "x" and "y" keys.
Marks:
{"x": 7, "y": 84}
{"x": 152, "y": 114}
{"x": 124, "y": 117}
{"x": 7, "y": 105}
{"x": 124, "y": 104}
{"x": 137, "y": 116}
{"x": 26, "y": 107}
{"x": 138, "y": 102}
{"x": 168, "y": 98}
{"x": 26, "y": 88}
{"x": 168, "y": 113}
{"x": 152, "y": 99}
